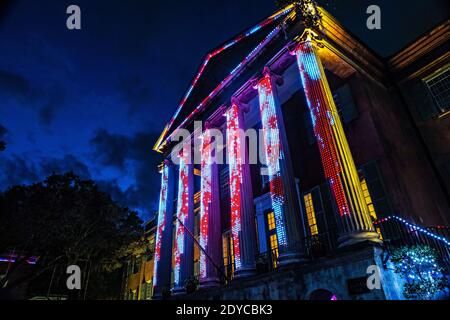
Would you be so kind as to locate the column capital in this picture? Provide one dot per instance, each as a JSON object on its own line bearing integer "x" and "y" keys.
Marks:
{"x": 243, "y": 107}
{"x": 308, "y": 35}
{"x": 275, "y": 78}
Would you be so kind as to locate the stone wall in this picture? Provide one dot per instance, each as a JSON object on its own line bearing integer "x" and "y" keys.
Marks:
{"x": 343, "y": 275}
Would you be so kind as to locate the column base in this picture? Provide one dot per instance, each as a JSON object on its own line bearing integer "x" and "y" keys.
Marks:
{"x": 161, "y": 293}
{"x": 178, "y": 291}
{"x": 290, "y": 258}
{"x": 358, "y": 237}
{"x": 209, "y": 283}
{"x": 244, "y": 272}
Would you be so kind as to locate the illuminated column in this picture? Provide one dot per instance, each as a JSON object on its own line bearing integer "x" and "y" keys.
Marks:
{"x": 241, "y": 196}
{"x": 163, "y": 244}
{"x": 337, "y": 159}
{"x": 210, "y": 229}
{"x": 184, "y": 244}
{"x": 280, "y": 173}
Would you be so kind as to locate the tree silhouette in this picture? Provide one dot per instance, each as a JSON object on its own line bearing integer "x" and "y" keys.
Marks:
{"x": 63, "y": 220}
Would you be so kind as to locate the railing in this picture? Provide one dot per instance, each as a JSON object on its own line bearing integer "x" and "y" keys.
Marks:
{"x": 398, "y": 232}
{"x": 395, "y": 232}
{"x": 320, "y": 245}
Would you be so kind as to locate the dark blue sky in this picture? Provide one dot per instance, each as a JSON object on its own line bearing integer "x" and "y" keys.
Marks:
{"x": 94, "y": 101}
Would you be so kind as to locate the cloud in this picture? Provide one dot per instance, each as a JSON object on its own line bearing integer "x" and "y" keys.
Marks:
{"x": 110, "y": 149}
{"x": 54, "y": 99}
{"x": 15, "y": 85}
{"x": 134, "y": 159}
{"x": 3, "y": 131}
{"x": 45, "y": 100}
{"x": 18, "y": 169}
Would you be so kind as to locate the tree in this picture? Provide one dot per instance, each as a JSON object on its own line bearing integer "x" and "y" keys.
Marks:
{"x": 418, "y": 266}
{"x": 63, "y": 221}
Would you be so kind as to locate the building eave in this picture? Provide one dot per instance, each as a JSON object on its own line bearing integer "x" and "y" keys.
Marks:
{"x": 405, "y": 63}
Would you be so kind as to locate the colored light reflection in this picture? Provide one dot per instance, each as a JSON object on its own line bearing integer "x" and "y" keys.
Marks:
{"x": 273, "y": 153}
{"x": 182, "y": 215}
{"x": 235, "y": 173}
{"x": 205, "y": 197}
{"x": 161, "y": 220}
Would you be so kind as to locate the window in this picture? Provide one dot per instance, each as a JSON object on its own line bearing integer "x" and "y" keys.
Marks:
{"x": 228, "y": 254}
{"x": 439, "y": 88}
{"x": 196, "y": 247}
{"x": 137, "y": 265}
{"x": 375, "y": 186}
{"x": 271, "y": 221}
{"x": 196, "y": 268}
{"x": 369, "y": 203}
{"x": 272, "y": 238}
{"x": 345, "y": 105}
{"x": 310, "y": 214}
{"x": 368, "y": 199}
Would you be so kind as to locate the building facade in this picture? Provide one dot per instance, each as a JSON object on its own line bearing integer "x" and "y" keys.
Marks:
{"x": 138, "y": 268}
{"x": 349, "y": 147}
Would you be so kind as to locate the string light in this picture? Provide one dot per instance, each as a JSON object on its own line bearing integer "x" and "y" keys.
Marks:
{"x": 163, "y": 139}
{"x": 161, "y": 220}
{"x": 413, "y": 227}
{"x": 273, "y": 153}
{"x": 235, "y": 172}
{"x": 182, "y": 215}
{"x": 312, "y": 83}
{"x": 205, "y": 197}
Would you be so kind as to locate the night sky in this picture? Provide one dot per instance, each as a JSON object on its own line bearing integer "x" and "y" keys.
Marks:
{"x": 94, "y": 101}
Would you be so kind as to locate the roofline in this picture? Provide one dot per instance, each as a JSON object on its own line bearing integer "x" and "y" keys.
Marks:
{"x": 421, "y": 46}
{"x": 230, "y": 43}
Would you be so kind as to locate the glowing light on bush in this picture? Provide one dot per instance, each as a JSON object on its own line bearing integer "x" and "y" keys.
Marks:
{"x": 235, "y": 170}
{"x": 273, "y": 153}
{"x": 161, "y": 220}
{"x": 182, "y": 215}
{"x": 205, "y": 197}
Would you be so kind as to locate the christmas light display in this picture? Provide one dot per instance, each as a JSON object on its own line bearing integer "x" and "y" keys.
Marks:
{"x": 419, "y": 268}
{"x": 161, "y": 220}
{"x": 205, "y": 197}
{"x": 164, "y": 138}
{"x": 182, "y": 215}
{"x": 219, "y": 50}
{"x": 337, "y": 159}
{"x": 273, "y": 153}
{"x": 322, "y": 119}
{"x": 235, "y": 170}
